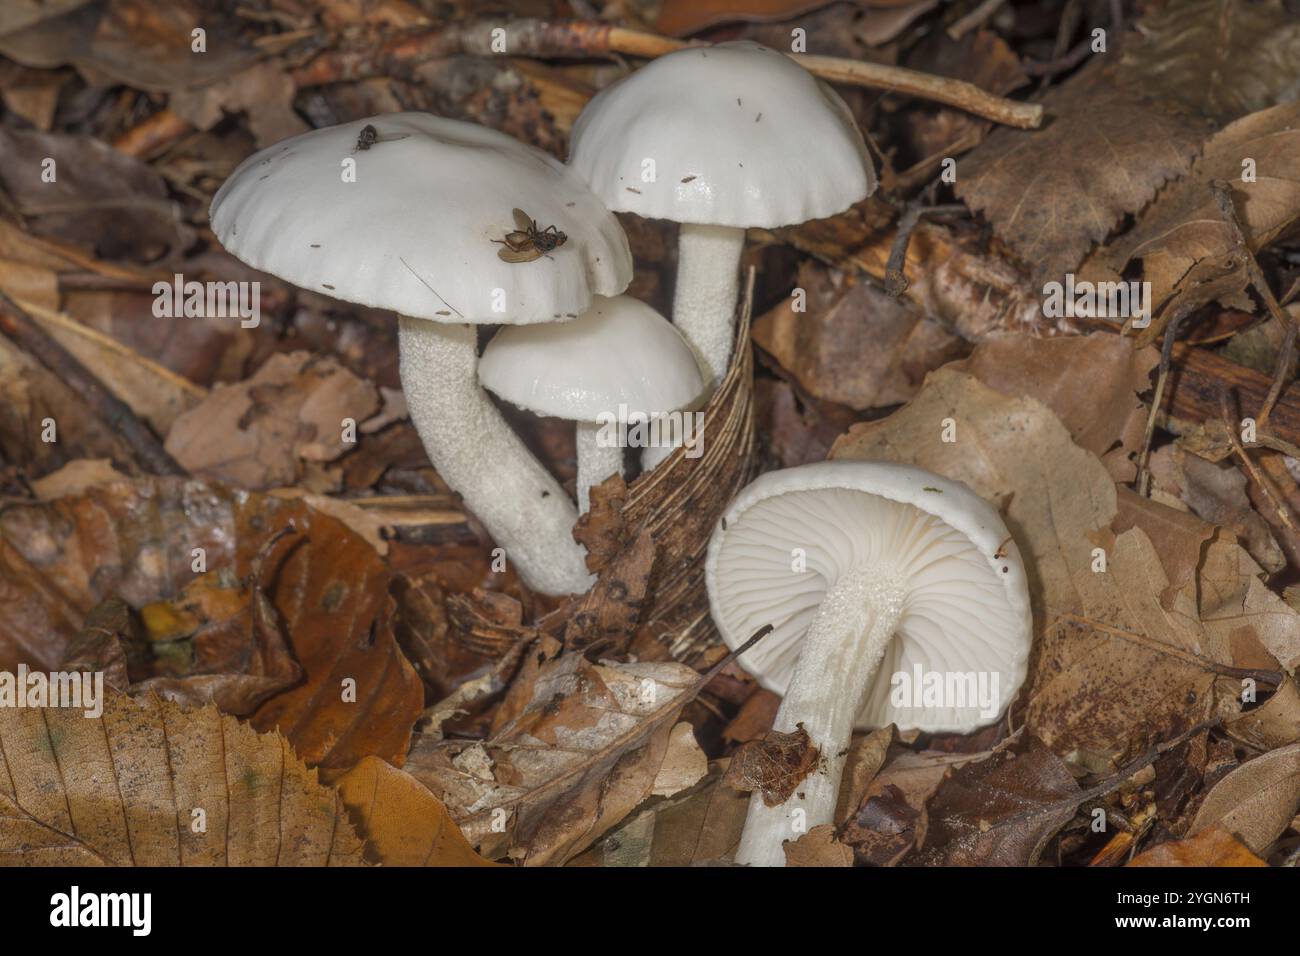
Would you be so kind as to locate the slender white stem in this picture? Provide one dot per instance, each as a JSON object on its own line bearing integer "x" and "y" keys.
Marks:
{"x": 522, "y": 506}
{"x": 596, "y": 461}
{"x": 708, "y": 287}
{"x": 840, "y": 653}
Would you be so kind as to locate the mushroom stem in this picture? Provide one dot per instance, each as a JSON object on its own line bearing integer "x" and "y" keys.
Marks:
{"x": 596, "y": 461}
{"x": 476, "y": 453}
{"x": 708, "y": 287}
{"x": 841, "y": 651}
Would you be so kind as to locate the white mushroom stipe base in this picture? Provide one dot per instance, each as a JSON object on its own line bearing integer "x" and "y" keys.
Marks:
{"x": 478, "y": 454}
{"x": 596, "y": 461}
{"x": 866, "y": 570}
{"x": 708, "y": 288}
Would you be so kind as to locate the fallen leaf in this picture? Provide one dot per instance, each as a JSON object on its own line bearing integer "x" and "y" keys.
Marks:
{"x": 818, "y": 847}
{"x": 402, "y": 822}
{"x": 774, "y": 766}
{"x": 1211, "y": 847}
{"x": 130, "y": 787}
{"x": 997, "y": 812}
{"x": 1255, "y": 802}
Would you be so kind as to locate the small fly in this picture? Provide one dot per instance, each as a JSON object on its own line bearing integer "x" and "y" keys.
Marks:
{"x": 369, "y": 136}
{"x": 527, "y": 243}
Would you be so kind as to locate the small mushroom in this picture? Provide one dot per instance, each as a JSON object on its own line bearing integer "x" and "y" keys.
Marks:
{"x": 408, "y": 212}
{"x": 871, "y": 573}
{"x": 720, "y": 139}
{"x": 619, "y": 361}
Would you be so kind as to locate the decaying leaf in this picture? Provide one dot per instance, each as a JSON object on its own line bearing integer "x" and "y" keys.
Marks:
{"x": 403, "y": 823}
{"x": 150, "y": 784}
{"x": 1255, "y": 802}
{"x": 1211, "y": 847}
{"x": 773, "y": 766}
{"x": 1054, "y": 192}
{"x": 998, "y": 812}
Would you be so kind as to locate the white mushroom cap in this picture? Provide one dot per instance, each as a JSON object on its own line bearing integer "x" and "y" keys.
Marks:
{"x": 966, "y": 605}
{"x": 740, "y": 135}
{"x": 619, "y": 352}
{"x": 414, "y": 231}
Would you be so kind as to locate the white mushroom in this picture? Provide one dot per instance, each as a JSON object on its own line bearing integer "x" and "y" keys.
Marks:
{"x": 621, "y": 361}
{"x": 872, "y": 574}
{"x": 407, "y": 212}
{"x": 720, "y": 139}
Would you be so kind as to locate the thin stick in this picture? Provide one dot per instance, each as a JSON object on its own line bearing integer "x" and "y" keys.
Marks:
{"x": 976, "y": 18}
{"x": 586, "y": 38}
{"x": 1265, "y": 483}
{"x": 27, "y": 334}
{"x": 895, "y": 279}
{"x": 1166, "y": 357}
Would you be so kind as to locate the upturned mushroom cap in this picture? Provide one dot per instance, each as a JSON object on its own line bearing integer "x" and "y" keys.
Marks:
{"x": 967, "y": 603}
{"x": 619, "y": 352}
{"x": 739, "y": 134}
{"x": 414, "y": 232}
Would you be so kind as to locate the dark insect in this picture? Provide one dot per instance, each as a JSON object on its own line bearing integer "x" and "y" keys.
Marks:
{"x": 369, "y": 136}
{"x": 527, "y": 242}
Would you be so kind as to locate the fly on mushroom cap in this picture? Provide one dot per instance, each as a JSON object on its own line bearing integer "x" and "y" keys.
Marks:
{"x": 405, "y": 212}
{"x": 866, "y": 570}
{"x": 409, "y": 222}
{"x": 720, "y": 139}
{"x": 620, "y": 353}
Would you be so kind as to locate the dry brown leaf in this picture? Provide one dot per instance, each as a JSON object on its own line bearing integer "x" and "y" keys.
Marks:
{"x": 1122, "y": 657}
{"x": 1211, "y": 847}
{"x": 998, "y": 812}
{"x": 257, "y": 433}
{"x": 1184, "y": 226}
{"x": 150, "y": 784}
{"x": 1255, "y": 802}
{"x": 1274, "y": 723}
{"x": 582, "y": 753}
{"x": 1219, "y": 58}
{"x": 685, "y": 763}
{"x": 402, "y": 822}
{"x": 1052, "y": 193}
{"x": 852, "y": 343}
{"x": 773, "y": 766}
{"x": 818, "y": 847}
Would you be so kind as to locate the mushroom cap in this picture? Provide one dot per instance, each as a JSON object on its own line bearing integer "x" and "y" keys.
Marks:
{"x": 740, "y": 135}
{"x": 619, "y": 352}
{"x": 414, "y": 231}
{"x": 967, "y": 602}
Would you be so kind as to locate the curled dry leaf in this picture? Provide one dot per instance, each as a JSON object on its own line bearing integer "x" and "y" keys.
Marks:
{"x": 128, "y": 788}
{"x": 1255, "y": 802}
{"x": 140, "y": 540}
{"x": 402, "y": 822}
{"x": 774, "y": 766}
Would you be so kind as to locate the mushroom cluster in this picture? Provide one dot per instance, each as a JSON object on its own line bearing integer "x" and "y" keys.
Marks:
{"x": 453, "y": 226}
{"x": 869, "y": 573}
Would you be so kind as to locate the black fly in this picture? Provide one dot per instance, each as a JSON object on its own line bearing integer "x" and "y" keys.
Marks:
{"x": 527, "y": 243}
{"x": 369, "y": 136}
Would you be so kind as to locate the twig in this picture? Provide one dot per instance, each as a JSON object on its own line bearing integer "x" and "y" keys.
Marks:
{"x": 1223, "y": 198}
{"x": 976, "y": 18}
{"x": 895, "y": 279}
{"x": 1166, "y": 358}
{"x": 27, "y": 334}
{"x": 585, "y": 38}
{"x": 1265, "y": 483}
